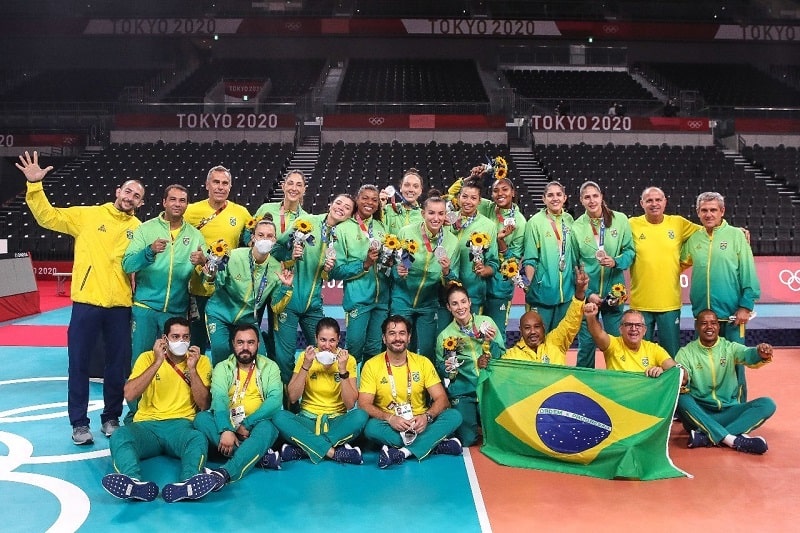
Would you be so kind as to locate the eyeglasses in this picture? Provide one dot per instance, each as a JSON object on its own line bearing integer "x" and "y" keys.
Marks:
{"x": 632, "y": 325}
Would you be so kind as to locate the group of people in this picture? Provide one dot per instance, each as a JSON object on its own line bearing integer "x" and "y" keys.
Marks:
{"x": 428, "y": 286}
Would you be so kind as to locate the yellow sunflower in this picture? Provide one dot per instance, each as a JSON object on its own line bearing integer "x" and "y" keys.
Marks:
{"x": 251, "y": 224}
{"x": 500, "y": 168}
{"x": 501, "y": 173}
{"x": 618, "y": 289}
{"x": 391, "y": 241}
{"x": 411, "y": 245}
{"x": 220, "y": 248}
{"x": 450, "y": 344}
{"x": 480, "y": 239}
{"x": 510, "y": 268}
{"x": 303, "y": 225}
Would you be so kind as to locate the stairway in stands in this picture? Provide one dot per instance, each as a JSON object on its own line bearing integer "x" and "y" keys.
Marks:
{"x": 532, "y": 177}
{"x": 770, "y": 181}
{"x": 305, "y": 158}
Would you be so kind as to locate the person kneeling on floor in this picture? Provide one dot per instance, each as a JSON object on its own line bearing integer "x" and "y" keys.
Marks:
{"x": 171, "y": 383}
{"x": 709, "y": 405}
{"x": 395, "y": 390}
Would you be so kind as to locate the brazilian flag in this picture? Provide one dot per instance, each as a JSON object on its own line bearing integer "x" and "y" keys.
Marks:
{"x": 598, "y": 423}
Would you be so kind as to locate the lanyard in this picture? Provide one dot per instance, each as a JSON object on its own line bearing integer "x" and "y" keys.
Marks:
{"x": 499, "y": 214}
{"x": 262, "y": 285}
{"x": 283, "y": 216}
{"x": 427, "y": 240}
{"x": 602, "y": 235}
{"x": 183, "y": 376}
{"x": 367, "y": 231}
{"x": 562, "y": 239}
{"x": 212, "y": 216}
{"x": 327, "y": 233}
{"x": 459, "y": 225}
{"x": 391, "y": 379}
{"x": 238, "y": 394}
{"x": 470, "y": 331}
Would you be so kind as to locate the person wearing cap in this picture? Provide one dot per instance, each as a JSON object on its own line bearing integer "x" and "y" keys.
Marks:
{"x": 325, "y": 379}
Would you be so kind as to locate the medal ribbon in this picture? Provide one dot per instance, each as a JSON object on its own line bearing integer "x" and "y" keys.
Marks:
{"x": 391, "y": 379}
{"x": 427, "y": 241}
{"x": 211, "y": 217}
{"x": 262, "y": 284}
{"x": 183, "y": 376}
{"x": 562, "y": 239}
{"x": 238, "y": 394}
{"x": 602, "y": 235}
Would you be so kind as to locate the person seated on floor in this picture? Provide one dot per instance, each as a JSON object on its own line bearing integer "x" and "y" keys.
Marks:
{"x": 539, "y": 346}
{"x": 405, "y": 400}
{"x": 171, "y": 383}
{"x": 709, "y": 404}
{"x": 629, "y": 351}
{"x": 246, "y": 392}
{"x": 325, "y": 378}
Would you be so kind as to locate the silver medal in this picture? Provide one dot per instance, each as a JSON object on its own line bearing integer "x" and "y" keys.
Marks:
{"x": 562, "y": 264}
{"x": 600, "y": 254}
{"x": 439, "y": 252}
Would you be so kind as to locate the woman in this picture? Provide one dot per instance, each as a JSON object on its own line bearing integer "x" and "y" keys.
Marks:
{"x": 462, "y": 349}
{"x": 549, "y": 258}
{"x": 602, "y": 243}
{"x": 510, "y": 227}
{"x": 366, "y": 286}
{"x": 416, "y": 285}
{"x": 477, "y": 263}
{"x": 290, "y": 208}
{"x": 314, "y": 254}
{"x": 243, "y": 287}
{"x": 399, "y": 212}
{"x": 325, "y": 378}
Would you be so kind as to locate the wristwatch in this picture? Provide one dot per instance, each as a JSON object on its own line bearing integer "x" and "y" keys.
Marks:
{"x": 344, "y": 375}
{"x": 430, "y": 417}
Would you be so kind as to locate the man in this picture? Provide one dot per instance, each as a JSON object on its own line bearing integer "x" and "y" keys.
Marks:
{"x": 171, "y": 383}
{"x": 101, "y": 292}
{"x": 710, "y": 405}
{"x": 161, "y": 255}
{"x": 629, "y": 352}
{"x": 216, "y": 218}
{"x": 724, "y": 271}
{"x": 539, "y": 346}
{"x": 395, "y": 388}
{"x": 656, "y": 269}
{"x": 246, "y": 392}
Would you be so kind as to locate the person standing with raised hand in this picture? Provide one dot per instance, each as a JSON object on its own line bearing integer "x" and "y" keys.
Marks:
{"x": 101, "y": 291}
{"x": 402, "y": 208}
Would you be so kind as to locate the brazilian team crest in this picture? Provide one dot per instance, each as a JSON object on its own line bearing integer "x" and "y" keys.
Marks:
{"x": 671, "y": 234}
{"x": 723, "y": 245}
{"x": 722, "y": 361}
{"x": 232, "y": 220}
{"x": 282, "y": 317}
{"x": 614, "y": 232}
{"x": 129, "y": 234}
{"x": 186, "y": 241}
{"x": 415, "y": 377}
{"x": 645, "y": 362}
{"x": 354, "y": 313}
{"x": 212, "y": 327}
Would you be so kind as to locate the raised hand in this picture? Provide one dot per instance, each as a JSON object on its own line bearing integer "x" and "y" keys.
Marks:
{"x": 30, "y": 167}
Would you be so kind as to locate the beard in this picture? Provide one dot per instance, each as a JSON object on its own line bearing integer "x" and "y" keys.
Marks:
{"x": 245, "y": 357}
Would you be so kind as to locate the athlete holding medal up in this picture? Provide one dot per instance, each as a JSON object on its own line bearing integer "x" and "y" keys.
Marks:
{"x": 602, "y": 242}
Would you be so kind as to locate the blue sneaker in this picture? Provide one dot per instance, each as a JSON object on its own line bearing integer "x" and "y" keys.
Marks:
{"x": 270, "y": 461}
{"x": 449, "y": 447}
{"x": 290, "y": 452}
{"x": 698, "y": 439}
{"x": 222, "y": 476}
{"x": 755, "y": 445}
{"x": 128, "y": 488}
{"x": 390, "y": 456}
{"x": 194, "y": 488}
{"x": 344, "y": 454}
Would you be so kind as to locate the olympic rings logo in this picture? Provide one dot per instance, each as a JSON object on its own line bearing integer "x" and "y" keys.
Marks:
{"x": 790, "y": 279}
{"x": 610, "y": 28}
{"x": 694, "y": 124}
{"x": 376, "y": 121}
{"x": 293, "y": 26}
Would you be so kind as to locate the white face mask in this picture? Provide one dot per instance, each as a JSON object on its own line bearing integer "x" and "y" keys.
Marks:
{"x": 179, "y": 348}
{"x": 326, "y": 358}
{"x": 263, "y": 246}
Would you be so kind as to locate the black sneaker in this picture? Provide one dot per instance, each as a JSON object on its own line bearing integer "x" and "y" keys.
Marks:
{"x": 449, "y": 447}
{"x": 343, "y": 454}
{"x": 390, "y": 456}
{"x": 755, "y": 445}
{"x": 698, "y": 439}
{"x": 194, "y": 488}
{"x": 290, "y": 452}
{"x": 270, "y": 461}
{"x": 128, "y": 488}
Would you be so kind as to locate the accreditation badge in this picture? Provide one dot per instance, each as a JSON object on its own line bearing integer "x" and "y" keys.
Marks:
{"x": 237, "y": 415}
{"x": 403, "y": 410}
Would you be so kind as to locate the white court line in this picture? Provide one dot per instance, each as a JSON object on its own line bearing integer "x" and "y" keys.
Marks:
{"x": 477, "y": 497}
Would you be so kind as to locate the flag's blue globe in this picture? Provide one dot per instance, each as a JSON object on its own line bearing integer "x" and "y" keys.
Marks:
{"x": 570, "y": 422}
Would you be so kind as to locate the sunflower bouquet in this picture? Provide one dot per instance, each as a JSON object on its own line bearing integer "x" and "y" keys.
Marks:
{"x": 478, "y": 243}
{"x": 302, "y": 233}
{"x": 497, "y": 167}
{"x": 217, "y": 256}
{"x": 617, "y": 295}
{"x": 389, "y": 245}
{"x": 511, "y": 270}
{"x": 405, "y": 254}
{"x": 450, "y": 347}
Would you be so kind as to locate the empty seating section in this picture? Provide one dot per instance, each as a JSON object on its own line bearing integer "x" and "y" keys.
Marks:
{"x": 290, "y": 78}
{"x": 682, "y": 172}
{"x": 94, "y": 177}
{"x": 78, "y": 85}
{"x": 738, "y": 85}
{"x": 345, "y": 167}
{"x": 409, "y": 81}
{"x": 780, "y": 161}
